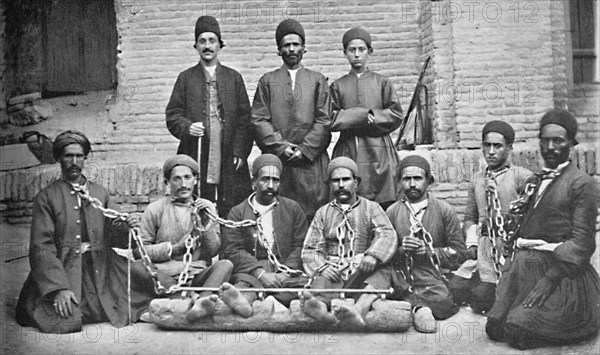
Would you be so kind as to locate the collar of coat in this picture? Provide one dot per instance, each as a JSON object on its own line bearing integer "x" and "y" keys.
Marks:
{"x": 339, "y": 208}
{"x": 270, "y": 207}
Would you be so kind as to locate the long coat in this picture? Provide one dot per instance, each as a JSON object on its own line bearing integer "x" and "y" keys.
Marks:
{"x": 56, "y": 260}
{"x": 243, "y": 248}
{"x": 189, "y": 103}
{"x": 368, "y": 143}
{"x": 566, "y": 213}
{"x": 282, "y": 116}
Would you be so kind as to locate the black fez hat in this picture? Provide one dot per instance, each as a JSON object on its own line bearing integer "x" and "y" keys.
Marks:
{"x": 286, "y": 27}
{"x": 207, "y": 24}
{"x": 356, "y": 33}
{"x": 501, "y": 127}
{"x": 562, "y": 118}
{"x": 416, "y": 161}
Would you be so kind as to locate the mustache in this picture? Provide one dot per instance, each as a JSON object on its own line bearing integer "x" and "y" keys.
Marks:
{"x": 413, "y": 190}
{"x": 207, "y": 51}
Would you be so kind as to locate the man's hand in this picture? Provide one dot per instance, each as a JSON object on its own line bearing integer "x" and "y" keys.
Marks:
{"x": 270, "y": 279}
{"x": 368, "y": 264}
{"x": 197, "y": 129}
{"x": 542, "y": 289}
{"x": 291, "y": 153}
{"x": 133, "y": 220}
{"x": 332, "y": 273}
{"x": 296, "y": 157}
{"x": 204, "y": 204}
{"x": 63, "y": 303}
{"x": 237, "y": 163}
{"x": 179, "y": 248}
{"x": 411, "y": 244}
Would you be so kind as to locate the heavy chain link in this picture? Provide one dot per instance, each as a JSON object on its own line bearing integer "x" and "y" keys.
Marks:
{"x": 134, "y": 233}
{"x": 518, "y": 208}
{"x": 272, "y": 257}
{"x": 346, "y": 260}
{"x": 191, "y": 242}
{"x": 495, "y": 221}
{"x": 418, "y": 231}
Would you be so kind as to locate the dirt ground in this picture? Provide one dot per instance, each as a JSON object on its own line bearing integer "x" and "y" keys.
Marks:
{"x": 461, "y": 334}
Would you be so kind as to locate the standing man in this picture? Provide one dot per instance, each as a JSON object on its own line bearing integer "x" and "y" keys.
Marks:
{"x": 209, "y": 103}
{"x": 290, "y": 114}
{"x": 366, "y": 110}
{"x": 167, "y": 224}
{"x": 347, "y": 246}
{"x": 76, "y": 277}
{"x": 430, "y": 239}
{"x": 490, "y": 195}
{"x": 267, "y": 255}
{"x": 549, "y": 294}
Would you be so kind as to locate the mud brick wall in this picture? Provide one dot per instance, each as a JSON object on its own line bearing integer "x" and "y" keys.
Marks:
{"x": 156, "y": 39}
{"x": 134, "y": 186}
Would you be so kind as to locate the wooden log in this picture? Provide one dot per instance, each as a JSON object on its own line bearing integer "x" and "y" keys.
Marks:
{"x": 24, "y": 98}
{"x": 385, "y": 316}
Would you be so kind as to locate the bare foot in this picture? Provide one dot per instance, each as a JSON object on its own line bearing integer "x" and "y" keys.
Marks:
{"x": 349, "y": 318}
{"x": 234, "y": 299}
{"x": 202, "y": 307}
{"x": 317, "y": 309}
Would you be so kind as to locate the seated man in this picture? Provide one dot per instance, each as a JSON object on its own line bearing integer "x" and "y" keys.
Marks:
{"x": 76, "y": 277}
{"x": 347, "y": 243}
{"x": 166, "y": 225}
{"x": 266, "y": 255}
{"x": 490, "y": 195}
{"x": 430, "y": 239}
{"x": 548, "y": 295}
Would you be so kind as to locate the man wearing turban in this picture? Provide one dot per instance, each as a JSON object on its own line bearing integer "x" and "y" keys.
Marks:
{"x": 76, "y": 277}
{"x": 210, "y": 101}
{"x": 290, "y": 114}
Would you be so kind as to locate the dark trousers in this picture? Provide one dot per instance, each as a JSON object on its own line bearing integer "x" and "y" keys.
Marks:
{"x": 480, "y": 295}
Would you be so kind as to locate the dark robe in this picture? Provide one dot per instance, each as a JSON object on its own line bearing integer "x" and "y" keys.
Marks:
{"x": 301, "y": 117}
{"x": 247, "y": 253}
{"x": 430, "y": 287}
{"x": 244, "y": 250}
{"x": 368, "y": 143}
{"x": 189, "y": 103}
{"x": 566, "y": 213}
{"x": 58, "y": 228}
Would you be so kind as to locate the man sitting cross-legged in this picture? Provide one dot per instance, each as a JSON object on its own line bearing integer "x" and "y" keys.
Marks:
{"x": 268, "y": 254}
{"x": 347, "y": 243}
{"x": 166, "y": 225}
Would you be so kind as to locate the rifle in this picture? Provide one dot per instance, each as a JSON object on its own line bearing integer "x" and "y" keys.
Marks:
{"x": 417, "y": 110}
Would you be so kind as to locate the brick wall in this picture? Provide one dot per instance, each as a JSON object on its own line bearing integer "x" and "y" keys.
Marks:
{"x": 133, "y": 186}
{"x": 584, "y": 102}
{"x": 3, "y": 113}
{"x": 503, "y": 67}
{"x": 156, "y": 39}
{"x": 477, "y": 49}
